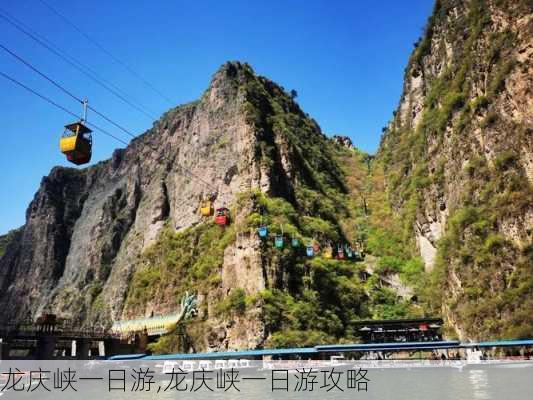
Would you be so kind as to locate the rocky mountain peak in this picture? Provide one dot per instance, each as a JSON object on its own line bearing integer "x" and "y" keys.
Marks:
{"x": 443, "y": 212}
{"x": 86, "y": 228}
{"x": 342, "y": 140}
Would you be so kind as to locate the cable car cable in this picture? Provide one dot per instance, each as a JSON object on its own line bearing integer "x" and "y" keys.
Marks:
{"x": 184, "y": 171}
{"x": 63, "y": 89}
{"x": 84, "y": 69}
{"x": 53, "y": 82}
{"x": 52, "y": 102}
{"x": 104, "y": 50}
{"x": 87, "y": 71}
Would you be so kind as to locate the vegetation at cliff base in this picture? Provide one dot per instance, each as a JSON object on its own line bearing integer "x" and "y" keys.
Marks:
{"x": 178, "y": 262}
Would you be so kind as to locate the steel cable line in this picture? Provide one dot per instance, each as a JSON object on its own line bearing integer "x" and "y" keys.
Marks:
{"x": 182, "y": 170}
{"x": 53, "y": 82}
{"x": 87, "y": 71}
{"x": 63, "y": 89}
{"x": 52, "y": 102}
{"x": 104, "y": 50}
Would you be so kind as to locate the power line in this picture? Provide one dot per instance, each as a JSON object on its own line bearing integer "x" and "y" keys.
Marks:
{"x": 52, "y": 102}
{"x": 74, "y": 63}
{"x": 104, "y": 50}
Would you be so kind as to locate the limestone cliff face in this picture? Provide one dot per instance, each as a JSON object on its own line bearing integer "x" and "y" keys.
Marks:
{"x": 458, "y": 155}
{"x": 86, "y": 229}
{"x": 87, "y": 225}
{"x": 452, "y": 182}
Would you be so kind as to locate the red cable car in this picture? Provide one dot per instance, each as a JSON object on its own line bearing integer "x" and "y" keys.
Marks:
{"x": 222, "y": 216}
{"x": 340, "y": 253}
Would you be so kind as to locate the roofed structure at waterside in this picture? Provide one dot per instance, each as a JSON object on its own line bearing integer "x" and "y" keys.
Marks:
{"x": 400, "y": 330}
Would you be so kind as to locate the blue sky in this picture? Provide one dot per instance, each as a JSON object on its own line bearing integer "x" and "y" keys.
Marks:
{"x": 346, "y": 60}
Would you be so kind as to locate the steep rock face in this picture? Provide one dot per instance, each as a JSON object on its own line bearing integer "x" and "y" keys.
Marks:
{"x": 233, "y": 271}
{"x": 38, "y": 252}
{"x": 94, "y": 237}
{"x": 458, "y": 161}
{"x": 85, "y": 226}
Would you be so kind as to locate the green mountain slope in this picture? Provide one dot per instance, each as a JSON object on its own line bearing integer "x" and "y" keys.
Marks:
{"x": 457, "y": 162}
{"x": 315, "y": 199}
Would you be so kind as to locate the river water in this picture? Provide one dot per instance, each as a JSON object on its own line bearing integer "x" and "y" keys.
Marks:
{"x": 506, "y": 381}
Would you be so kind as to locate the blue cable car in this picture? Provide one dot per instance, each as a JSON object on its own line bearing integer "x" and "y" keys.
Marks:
{"x": 262, "y": 231}
{"x": 295, "y": 242}
{"x": 309, "y": 251}
{"x": 349, "y": 251}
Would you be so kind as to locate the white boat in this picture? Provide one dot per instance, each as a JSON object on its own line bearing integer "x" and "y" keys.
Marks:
{"x": 474, "y": 356}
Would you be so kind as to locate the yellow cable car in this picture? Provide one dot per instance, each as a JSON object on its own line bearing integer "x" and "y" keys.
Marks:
{"x": 76, "y": 142}
{"x": 206, "y": 208}
{"x": 328, "y": 252}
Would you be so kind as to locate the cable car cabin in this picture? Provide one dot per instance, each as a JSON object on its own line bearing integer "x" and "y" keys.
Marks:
{"x": 309, "y": 251}
{"x": 278, "y": 241}
{"x": 206, "y": 208}
{"x": 76, "y": 143}
{"x": 295, "y": 242}
{"x": 222, "y": 216}
{"x": 349, "y": 251}
{"x": 340, "y": 253}
{"x": 328, "y": 252}
{"x": 316, "y": 248}
{"x": 262, "y": 231}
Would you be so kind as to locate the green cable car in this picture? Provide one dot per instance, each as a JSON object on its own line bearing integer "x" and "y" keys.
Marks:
{"x": 278, "y": 241}
{"x": 295, "y": 242}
